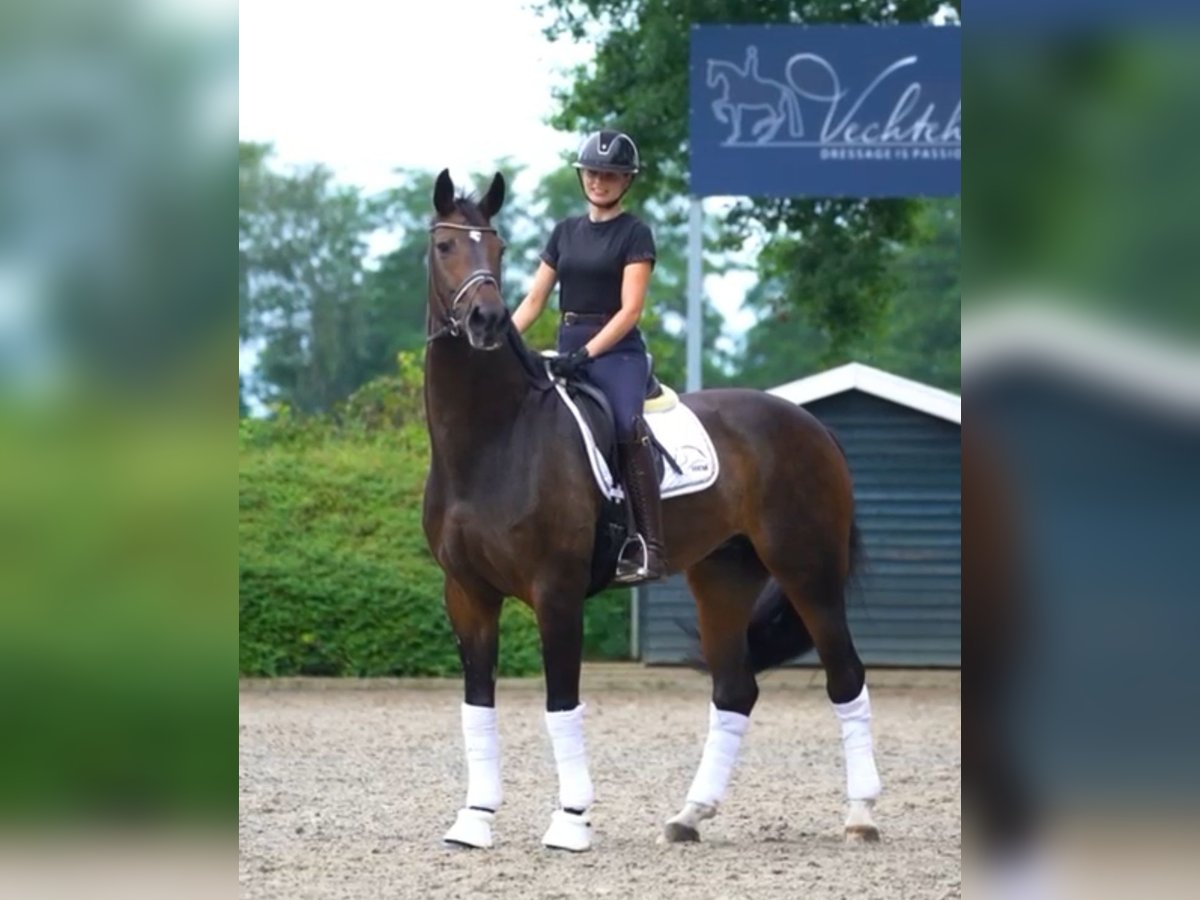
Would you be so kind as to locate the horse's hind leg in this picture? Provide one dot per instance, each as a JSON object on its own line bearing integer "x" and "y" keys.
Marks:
{"x": 475, "y": 618}
{"x": 816, "y": 590}
{"x": 724, "y": 586}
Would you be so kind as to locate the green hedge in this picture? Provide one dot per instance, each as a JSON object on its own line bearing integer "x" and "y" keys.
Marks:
{"x": 335, "y": 575}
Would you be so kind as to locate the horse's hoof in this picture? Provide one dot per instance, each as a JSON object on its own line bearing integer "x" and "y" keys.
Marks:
{"x": 862, "y": 834}
{"x": 472, "y": 829}
{"x": 568, "y": 831}
{"x": 860, "y": 823}
{"x": 678, "y": 833}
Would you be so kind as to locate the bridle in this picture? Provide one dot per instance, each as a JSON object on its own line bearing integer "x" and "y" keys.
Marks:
{"x": 452, "y": 325}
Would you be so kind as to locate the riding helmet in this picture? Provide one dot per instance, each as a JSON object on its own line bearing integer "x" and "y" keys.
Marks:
{"x": 608, "y": 151}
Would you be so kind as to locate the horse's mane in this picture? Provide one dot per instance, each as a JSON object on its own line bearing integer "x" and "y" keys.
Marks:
{"x": 531, "y": 362}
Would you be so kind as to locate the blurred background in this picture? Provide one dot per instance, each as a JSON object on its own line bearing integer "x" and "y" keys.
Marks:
{"x": 1081, "y": 456}
{"x": 117, "y": 459}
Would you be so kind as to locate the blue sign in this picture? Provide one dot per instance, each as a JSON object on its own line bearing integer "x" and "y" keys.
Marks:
{"x": 826, "y": 110}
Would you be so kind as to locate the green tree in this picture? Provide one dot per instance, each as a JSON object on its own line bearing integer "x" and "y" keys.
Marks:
{"x": 1089, "y": 191}
{"x": 922, "y": 335}
{"x": 667, "y": 326}
{"x": 302, "y": 244}
{"x": 252, "y": 172}
{"x": 777, "y": 348}
{"x": 396, "y": 286}
{"x": 918, "y": 337}
{"x": 830, "y": 256}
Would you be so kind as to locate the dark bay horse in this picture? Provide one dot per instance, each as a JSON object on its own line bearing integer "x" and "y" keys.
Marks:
{"x": 511, "y": 509}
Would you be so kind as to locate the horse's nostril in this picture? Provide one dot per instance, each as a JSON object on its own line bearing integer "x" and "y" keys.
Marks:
{"x": 476, "y": 317}
{"x": 486, "y": 318}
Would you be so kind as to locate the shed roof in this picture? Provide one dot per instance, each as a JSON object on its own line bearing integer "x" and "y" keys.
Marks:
{"x": 856, "y": 376}
{"x": 1121, "y": 358}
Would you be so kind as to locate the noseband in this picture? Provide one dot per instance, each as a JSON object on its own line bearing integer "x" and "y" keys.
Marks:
{"x": 451, "y": 322}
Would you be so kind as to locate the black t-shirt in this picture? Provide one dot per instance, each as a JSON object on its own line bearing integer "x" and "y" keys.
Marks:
{"x": 590, "y": 259}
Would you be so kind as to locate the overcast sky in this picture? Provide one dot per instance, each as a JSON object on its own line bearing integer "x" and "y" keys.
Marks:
{"x": 365, "y": 86}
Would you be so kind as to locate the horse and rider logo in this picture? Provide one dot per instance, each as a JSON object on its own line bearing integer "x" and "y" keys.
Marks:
{"x": 767, "y": 112}
{"x": 692, "y": 461}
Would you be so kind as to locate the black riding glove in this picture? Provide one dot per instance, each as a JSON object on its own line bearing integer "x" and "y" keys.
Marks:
{"x": 571, "y": 365}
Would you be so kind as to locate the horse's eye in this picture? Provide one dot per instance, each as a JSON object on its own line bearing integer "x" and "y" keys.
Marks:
{"x": 444, "y": 246}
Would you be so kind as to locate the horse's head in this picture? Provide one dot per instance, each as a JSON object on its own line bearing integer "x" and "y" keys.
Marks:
{"x": 715, "y": 75}
{"x": 464, "y": 265}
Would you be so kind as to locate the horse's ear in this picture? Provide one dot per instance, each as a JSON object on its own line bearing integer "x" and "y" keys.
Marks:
{"x": 495, "y": 197}
{"x": 443, "y": 193}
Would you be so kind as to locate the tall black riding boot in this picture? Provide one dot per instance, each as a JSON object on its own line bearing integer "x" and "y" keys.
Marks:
{"x": 641, "y": 489}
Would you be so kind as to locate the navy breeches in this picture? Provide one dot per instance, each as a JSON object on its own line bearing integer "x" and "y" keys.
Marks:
{"x": 621, "y": 373}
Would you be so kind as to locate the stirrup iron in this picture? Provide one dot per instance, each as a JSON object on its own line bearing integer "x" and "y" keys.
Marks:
{"x": 627, "y": 569}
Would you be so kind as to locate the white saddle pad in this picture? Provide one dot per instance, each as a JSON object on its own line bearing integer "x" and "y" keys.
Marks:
{"x": 679, "y": 431}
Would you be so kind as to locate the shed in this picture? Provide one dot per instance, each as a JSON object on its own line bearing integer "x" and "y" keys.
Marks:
{"x": 902, "y": 441}
{"x": 1087, "y": 418}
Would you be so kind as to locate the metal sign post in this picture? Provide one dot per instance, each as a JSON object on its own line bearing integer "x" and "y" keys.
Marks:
{"x": 695, "y": 293}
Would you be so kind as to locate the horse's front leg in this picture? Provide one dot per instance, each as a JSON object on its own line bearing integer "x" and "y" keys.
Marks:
{"x": 560, "y": 623}
{"x": 475, "y": 617}
{"x": 737, "y": 124}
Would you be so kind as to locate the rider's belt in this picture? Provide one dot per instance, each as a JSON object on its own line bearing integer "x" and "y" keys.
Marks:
{"x": 575, "y": 318}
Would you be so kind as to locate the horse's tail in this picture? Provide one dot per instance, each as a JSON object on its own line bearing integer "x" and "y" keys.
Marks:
{"x": 776, "y": 633}
{"x": 857, "y": 553}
